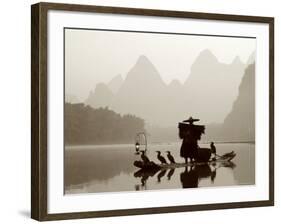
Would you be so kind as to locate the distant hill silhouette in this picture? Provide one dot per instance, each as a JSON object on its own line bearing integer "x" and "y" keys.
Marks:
{"x": 212, "y": 87}
{"x": 239, "y": 124}
{"x": 101, "y": 97}
{"x": 208, "y": 92}
{"x": 251, "y": 59}
{"x": 142, "y": 92}
{"x": 115, "y": 84}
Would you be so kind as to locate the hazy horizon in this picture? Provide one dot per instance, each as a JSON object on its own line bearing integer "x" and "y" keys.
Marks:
{"x": 92, "y": 57}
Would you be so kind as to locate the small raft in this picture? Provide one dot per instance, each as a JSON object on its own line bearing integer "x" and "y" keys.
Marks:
{"x": 155, "y": 166}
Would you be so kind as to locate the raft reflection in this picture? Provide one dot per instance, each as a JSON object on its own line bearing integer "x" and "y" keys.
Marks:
{"x": 189, "y": 178}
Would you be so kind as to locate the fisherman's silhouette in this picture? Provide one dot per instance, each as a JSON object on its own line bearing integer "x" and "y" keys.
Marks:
{"x": 189, "y": 147}
{"x": 190, "y": 134}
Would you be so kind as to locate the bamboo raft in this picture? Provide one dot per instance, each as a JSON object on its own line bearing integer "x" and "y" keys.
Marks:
{"x": 226, "y": 158}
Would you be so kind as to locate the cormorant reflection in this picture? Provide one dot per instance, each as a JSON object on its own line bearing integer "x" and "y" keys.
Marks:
{"x": 213, "y": 175}
{"x": 170, "y": 173}
{"x": 189, "y": 178}
{"x": 144, "y": 175}
{"x": 160, "y": 175}
{"x": 227, "y": 164}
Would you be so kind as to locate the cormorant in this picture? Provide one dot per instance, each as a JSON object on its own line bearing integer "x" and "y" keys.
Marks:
{"x": 144, "y": 157}
{"x": 213, "y": 149}
{"x": 161, "y": 158}
{"x": 170, "y": 157}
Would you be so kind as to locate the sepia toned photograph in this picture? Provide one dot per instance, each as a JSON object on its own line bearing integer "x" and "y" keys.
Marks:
{"x": 139, "y": 111}
{"x": 148, "y": 111}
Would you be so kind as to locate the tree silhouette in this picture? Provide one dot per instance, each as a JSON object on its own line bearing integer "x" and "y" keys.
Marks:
{"x": 87, "y": 125}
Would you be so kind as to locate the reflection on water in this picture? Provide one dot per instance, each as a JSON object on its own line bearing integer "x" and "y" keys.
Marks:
{"x": 90, "y": 169}
{"x": 170, "y": 174}
{"x": 189, "y": 177}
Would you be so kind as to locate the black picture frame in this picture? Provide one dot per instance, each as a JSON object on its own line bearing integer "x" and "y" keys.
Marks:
{"x": 39, "y": 106}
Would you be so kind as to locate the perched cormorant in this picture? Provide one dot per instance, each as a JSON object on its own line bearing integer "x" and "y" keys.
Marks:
{"x": 144, "y": 157}
{"x": 213, "y": 148}
{"x": 161, "y": 158}
{"x": 170, "y": 157}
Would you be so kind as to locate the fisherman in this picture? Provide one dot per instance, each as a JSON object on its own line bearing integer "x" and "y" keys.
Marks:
{"x": 189, "y": 147}
{"x": 190, "y": 134}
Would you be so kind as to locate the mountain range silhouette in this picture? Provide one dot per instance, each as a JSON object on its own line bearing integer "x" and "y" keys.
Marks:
{"x": 210, "y": 92}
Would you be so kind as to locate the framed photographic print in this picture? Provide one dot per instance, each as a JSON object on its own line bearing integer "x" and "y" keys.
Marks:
{"x": 141, "y": 111}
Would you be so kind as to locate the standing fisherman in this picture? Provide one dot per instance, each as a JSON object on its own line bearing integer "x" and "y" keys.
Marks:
{"x": 190, "y": 134}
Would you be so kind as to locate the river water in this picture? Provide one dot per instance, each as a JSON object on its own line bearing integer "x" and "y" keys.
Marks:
{"x": 109, "y": 168}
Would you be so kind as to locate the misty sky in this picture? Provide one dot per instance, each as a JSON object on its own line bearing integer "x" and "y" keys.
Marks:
{"x": 98, "y": 56}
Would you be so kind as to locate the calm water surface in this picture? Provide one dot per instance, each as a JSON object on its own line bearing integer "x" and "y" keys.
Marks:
{"x": 91, "y": 169}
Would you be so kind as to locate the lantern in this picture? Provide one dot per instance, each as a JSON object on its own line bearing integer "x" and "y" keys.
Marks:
{"x": 140, "y": 142}
{"x": 137, "y": 146}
